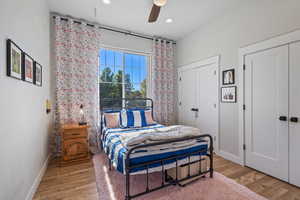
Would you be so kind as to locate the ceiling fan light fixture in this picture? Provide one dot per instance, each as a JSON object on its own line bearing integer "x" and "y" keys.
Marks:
{"x": 160, "y": 3}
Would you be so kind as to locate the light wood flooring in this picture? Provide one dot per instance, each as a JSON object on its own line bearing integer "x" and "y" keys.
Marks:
{"x": 77, "y": 182}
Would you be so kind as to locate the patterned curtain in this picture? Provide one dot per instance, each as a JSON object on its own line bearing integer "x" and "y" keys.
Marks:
{"x": 76, "y": 48}
{"x": 164, "y": 82}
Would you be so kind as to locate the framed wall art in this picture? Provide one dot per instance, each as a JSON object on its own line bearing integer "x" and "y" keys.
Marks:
{"x": 38, "y": 74}
{"x": 28, "y": 68}
{"x": 228, "y": 94}
{"x": 14, "y": 60}
{"x": 228, "y": 77}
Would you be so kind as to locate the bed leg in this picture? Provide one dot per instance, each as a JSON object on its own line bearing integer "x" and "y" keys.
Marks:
{"x": 109, "y": 164}
{"x": 101, "y": 146}
{"x": 211, "y": 169}
{"x": 211, "y": 156}
{"x": 127, "y": 184}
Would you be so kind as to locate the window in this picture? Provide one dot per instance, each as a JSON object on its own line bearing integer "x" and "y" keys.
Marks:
{"x": 122, "y": 75}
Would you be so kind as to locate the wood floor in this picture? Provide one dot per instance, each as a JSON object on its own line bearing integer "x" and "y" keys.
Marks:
{"x": 77, "y": 182}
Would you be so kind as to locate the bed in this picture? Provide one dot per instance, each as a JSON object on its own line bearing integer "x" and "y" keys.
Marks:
{"x": 152, "y": 147}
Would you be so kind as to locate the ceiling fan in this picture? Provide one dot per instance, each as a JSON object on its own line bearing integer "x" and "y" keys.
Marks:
{"x": 157, "y": 4}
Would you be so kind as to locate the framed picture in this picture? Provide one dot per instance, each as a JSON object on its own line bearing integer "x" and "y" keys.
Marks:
{"x": 228, "y": 94}
{"x": 14, "y": 60}
{"x": 228, "y": 77}
{"x": 38, "y": 74}
{"x": 28, "y": 68}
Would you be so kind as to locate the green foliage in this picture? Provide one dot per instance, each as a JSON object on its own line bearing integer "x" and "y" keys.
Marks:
{"x": 111, "y": 86}
{"x": 144, "y": 88}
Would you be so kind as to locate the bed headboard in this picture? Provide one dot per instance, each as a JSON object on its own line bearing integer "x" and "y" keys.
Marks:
{"x": 117, "y": 104}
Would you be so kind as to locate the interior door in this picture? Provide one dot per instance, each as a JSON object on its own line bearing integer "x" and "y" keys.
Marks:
{"x": 207, "y": 99}
{"x": 294, "y": 114}
{"x": 266, "y": 99}
{"x": 187, "y": 101}
{"x": 198, "y": 98}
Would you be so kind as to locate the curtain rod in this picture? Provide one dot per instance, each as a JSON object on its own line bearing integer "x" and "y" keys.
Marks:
{"x": 66, "y": 18}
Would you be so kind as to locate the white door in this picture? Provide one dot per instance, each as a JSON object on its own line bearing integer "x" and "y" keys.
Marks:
{"x": 187, "y": 100}
{"x": 294, "y": 114}
{"x": 198, "y": 90}
{"x": 266, "y": 100}
{"x": 207, "y": 99}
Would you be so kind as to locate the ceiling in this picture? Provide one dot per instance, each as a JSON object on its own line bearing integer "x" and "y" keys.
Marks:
{"x": 132, "y": 15}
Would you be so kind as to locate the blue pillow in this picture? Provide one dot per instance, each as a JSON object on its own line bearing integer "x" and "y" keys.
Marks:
{"x": 132, "y": 119}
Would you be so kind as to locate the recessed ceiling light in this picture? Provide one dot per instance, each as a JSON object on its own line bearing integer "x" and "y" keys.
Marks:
{"x": 160, "y": 3}
{"x": 106, "y": 1}
{"x": 169, "y": 20}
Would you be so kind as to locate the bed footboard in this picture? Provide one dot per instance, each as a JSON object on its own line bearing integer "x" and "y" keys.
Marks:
{"x": 165, "y": 182}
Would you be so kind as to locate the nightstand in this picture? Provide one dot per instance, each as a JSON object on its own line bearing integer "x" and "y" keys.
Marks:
{"x": 74, "y": 143}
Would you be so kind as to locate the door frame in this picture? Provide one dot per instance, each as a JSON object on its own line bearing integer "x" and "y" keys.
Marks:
{"x": 277, "y": 41}
{"x": 202, "y": 63}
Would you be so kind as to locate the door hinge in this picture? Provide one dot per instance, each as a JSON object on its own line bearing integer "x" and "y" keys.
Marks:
{"x": 244, "y": 67}
{"x": 215, "y": 72}
{"x": 244, "y": 147}
{"x": 244, "y": 107}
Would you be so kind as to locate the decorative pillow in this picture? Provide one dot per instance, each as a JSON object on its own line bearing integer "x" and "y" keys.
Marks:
{"x": 133, "y": 118}
{"x": 112, "y": 120}
{"x": 149, "y": 118}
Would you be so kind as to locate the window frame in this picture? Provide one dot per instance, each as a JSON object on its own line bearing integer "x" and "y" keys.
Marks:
{"x": 130, "y": 51}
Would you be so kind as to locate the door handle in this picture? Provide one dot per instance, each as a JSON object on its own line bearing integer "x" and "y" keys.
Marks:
{"x": 196, "y": 110}
{"x": 283, "y": 118}
{"x": 294, "y": 119}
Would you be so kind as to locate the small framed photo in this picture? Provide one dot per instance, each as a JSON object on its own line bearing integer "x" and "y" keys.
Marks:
{"x": 28, "y": 68}
{"x": 38, "y": 74}
{"x": 228, "y": 77}
{"x": 14, "y": 60}
{"x": 228, "y": 94}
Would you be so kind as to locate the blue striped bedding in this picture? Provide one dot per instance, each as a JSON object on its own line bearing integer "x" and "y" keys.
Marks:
{"x": 116, "y": 151}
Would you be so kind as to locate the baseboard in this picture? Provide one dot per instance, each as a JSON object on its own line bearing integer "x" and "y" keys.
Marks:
{"x": 230, "y": 156}
{"x": 38, "y": 179}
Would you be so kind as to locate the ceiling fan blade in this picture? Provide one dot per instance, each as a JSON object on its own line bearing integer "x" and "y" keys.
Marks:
{"x": 154, "y": 13}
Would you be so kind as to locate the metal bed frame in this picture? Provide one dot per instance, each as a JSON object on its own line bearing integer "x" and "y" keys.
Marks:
{"x": 126, "y": 103}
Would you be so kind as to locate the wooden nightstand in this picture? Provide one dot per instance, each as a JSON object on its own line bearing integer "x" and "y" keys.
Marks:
{"x": 74, "y": 143}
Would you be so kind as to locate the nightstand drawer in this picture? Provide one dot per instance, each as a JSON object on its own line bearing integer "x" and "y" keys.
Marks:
{"x": 75, "y": 148}
{"x": 74, "y": 133}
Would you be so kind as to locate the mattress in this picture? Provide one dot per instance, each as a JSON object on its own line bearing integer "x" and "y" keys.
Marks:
{"x": 116, "y": 151}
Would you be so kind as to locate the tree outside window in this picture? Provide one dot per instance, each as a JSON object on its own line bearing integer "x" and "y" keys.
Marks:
{"x": 122, "y": 75}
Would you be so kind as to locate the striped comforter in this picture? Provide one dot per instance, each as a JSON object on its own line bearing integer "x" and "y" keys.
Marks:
{"x": 116, "y": 143}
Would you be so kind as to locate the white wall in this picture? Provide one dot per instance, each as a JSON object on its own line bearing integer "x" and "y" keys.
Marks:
{"x": 24, "y": 124}
{"x": 254, "y": 21}
{"x": 119, "y": 40}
